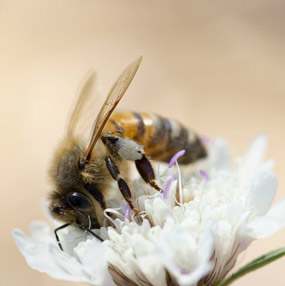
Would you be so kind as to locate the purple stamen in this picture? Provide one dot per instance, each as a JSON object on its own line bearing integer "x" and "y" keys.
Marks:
{"x": 205, "y": 139}
{"x": 176, "y": 157}
{"x": 127, "y": 211}
{"x": 205, "y": 175}
{"x": 167, "y": 187}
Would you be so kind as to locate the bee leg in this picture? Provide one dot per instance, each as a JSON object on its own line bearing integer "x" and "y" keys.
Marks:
{"x": 146, "y": 171}
{"x": 56, "y": 235}
{"x": 123, "y": 186}
{"x": 124, "y": 148}
{"x": 130, "y": 150}
{"x": 90, "y": 231}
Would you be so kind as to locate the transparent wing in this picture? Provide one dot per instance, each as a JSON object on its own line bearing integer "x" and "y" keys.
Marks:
{"x": 116, "y": 93}
{"x": 83, "y": 100}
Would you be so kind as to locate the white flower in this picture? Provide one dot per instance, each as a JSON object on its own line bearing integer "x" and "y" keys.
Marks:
{"x": 225, "y": 207}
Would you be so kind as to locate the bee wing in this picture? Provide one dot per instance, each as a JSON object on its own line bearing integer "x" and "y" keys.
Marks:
{"x": 80, "y": 109}
{"x": 115, "y": 94}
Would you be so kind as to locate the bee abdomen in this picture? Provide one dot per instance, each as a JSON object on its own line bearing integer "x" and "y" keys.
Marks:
{"x": 161, "y": 137}
{"x": 170, "y": 136}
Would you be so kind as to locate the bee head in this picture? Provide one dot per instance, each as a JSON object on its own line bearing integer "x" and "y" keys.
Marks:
{"x": 74, "y": 199}
{"x": 74, "y": 207}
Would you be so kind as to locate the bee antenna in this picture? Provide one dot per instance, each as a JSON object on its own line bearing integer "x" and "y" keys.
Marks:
{"x": 81, "y": 226}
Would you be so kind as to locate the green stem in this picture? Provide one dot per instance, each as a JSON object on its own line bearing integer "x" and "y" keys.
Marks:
{"x": 253, "y": 265}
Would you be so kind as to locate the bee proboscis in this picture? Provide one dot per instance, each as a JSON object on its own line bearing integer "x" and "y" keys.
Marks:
{"x": 81, "y": 173}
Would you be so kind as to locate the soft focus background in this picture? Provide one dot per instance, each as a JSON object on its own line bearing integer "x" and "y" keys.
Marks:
{"x": 217, "y": 66}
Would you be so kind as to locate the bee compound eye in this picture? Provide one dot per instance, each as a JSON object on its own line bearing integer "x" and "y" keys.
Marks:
{"x": 79, "y": 201}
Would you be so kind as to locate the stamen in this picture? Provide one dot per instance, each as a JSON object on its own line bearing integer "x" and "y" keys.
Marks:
{"x": 167, "y": 187}
{"x": 176, "y": 157}
{"x": 205, "y": 175}
{"x": 158, "y": 174}
{"x": 127, "y": 211}
{"x": 205, "y": 139}
{"x": 171, "y": 163}
{"x": 183, "y": 272}
{"x": 179, "y": 182}
{"x": 112, "y": 211}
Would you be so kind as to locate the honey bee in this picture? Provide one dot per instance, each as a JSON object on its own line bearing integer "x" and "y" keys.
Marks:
{"x": 81, "y": 173}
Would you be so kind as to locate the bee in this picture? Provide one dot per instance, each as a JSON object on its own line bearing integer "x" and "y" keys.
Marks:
{"x": 81, "y": 174}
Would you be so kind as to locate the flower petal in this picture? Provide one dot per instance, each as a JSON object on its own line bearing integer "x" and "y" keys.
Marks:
{"x": 277, "y": 212}
{"x": 196, "y": 275}
{"x": 219, "y": 155}
{"x": 68, "y": 263}
{"x": 263, "y": 190}
{"x": 255, "y": 153}
{"x": 39, "y": 257}
{"x": 187, "y": 259}
{"x": 262, "y": 227}
{"x": 87, "y": 252}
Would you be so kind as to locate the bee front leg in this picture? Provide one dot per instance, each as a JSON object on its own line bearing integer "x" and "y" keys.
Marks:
{"x": 123, "y": 186}
{"x": 130, "y": 150}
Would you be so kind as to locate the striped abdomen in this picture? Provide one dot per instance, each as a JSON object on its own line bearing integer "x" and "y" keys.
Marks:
{"x": 161, "y": 137}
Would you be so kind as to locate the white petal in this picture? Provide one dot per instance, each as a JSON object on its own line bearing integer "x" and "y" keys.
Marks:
{"x": 150, "y": 265}
{"x": 222, "y": 231}
{"x": 196, "y": 275}
{"x": 39, "y": 257}
{"x": 278, "y": 211}
{"x": 70, "y": 264}
{"x": 93, "y": 257}
{"x": 219, "y": 156}
{"x": 178, "y": 250}
{"x": 255, "y": 152}
{"x": 260, "y": 227}
{"x": 266, "y": 226}
{"x": 263, "y": 190}
{"x": 70, "y": 238}
{"x": 160, "y": 211}
{"x": 41, "y": 232}
{"x": 268, "y": 164}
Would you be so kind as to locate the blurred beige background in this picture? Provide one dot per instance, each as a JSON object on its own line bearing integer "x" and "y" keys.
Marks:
{"x": 218, "y": 66}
